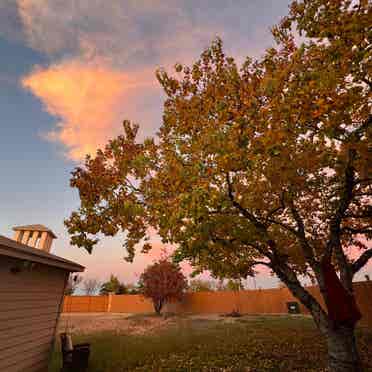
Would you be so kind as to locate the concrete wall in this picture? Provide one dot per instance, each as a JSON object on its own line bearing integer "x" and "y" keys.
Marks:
{"x": 30, "y": 301}
{"x": 265, "y": 301}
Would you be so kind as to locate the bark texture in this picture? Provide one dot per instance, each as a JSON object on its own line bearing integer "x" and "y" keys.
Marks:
{"x": 342, "y": 350}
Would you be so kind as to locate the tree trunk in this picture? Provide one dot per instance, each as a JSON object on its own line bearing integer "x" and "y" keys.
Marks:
{"x": 158, "y": 306}
{"x": 342, "y": 350}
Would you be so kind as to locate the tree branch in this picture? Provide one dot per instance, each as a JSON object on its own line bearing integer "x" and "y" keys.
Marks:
{"x": 364, "y": 214}
{"x": 358, "y": 133}
{"x": 361, "y": 261}
{"x": 262, "y": 263}
{"x": 225, "y": 241}
{"x": 278, "y": 263}
{"x": 131, "y": 186}
{"x": 277, "y": 209}
{"x": 334, "y": 242}
{"x": 237, "y": 205}
{"x": 306, "y": 248}
{"x": 284, "y": 226}
{"x": 362, "y": 180}
{"x": 216, "y": 239}
{"x": 362, "y": 230}
{"x": 366, "y": 81}
{"x": 287, "y": 276}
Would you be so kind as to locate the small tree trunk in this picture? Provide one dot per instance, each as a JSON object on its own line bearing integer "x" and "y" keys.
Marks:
{"x": 157, "y": 306}
{"x": 342, "y": 350}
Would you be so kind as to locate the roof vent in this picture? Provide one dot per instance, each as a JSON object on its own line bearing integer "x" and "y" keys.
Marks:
{"x": 37, "y": 236}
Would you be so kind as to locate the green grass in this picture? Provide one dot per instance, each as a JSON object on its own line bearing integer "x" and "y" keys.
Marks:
{"x": 262, "y": 344}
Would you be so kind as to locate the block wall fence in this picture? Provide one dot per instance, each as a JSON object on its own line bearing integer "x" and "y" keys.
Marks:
{"x": 262, "y": 301}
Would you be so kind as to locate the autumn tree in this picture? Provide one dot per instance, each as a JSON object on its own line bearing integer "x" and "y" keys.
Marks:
{"x": 162, "y": 282}
{"x": 91, "y": 286}
{"x": 113, "y": 286}
{"x": 267, "y": 164}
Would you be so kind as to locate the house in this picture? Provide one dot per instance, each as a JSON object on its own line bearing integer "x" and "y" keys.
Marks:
{"x": 32, "y": 284}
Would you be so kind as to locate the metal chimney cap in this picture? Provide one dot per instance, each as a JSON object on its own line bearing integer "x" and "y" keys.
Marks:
{"x": 36, "y": 227}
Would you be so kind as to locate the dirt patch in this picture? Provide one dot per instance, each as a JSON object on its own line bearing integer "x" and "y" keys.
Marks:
{"x": 83, "y": 323}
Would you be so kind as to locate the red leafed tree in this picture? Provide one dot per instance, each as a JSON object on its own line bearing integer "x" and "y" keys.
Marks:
{"x": 161, "y": 282}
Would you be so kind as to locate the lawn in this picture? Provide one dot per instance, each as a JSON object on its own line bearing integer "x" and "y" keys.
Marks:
{"x": 263, "y": 343}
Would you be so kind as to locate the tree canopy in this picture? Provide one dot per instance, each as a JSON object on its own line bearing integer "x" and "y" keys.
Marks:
{"x": 270, "y": 161}
{"x": 266, "y": 164}
{"x": 113, "y": 286}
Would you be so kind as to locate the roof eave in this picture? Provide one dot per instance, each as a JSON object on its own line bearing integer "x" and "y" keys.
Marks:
{"x": 11, "y": 248}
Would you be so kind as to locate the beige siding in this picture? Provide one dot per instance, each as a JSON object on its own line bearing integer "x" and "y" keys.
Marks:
{"x": 29, "y": 307}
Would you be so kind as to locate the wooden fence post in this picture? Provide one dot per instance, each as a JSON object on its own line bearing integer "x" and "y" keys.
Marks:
{"x": 109, "y": 301}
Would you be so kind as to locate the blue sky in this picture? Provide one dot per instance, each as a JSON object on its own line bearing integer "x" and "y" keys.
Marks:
{"x": 72, "y": 70}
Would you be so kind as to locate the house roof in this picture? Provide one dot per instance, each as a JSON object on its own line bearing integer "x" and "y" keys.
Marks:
{"x": 11, "y": 248}
{"x": 36, "y": 227}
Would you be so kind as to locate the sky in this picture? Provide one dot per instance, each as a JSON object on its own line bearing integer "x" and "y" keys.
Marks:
{"x": 72, "y": 70}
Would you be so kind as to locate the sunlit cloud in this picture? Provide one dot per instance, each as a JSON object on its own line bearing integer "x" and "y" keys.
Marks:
{"x": 89, "y": 100}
